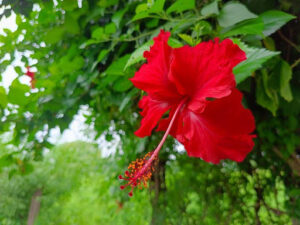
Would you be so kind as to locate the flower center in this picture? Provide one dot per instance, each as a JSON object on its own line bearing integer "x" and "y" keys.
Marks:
{"x": 140, "y": 170}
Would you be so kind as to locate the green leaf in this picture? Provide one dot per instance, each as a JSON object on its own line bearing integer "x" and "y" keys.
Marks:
{"x": 233, "y": 13}
{"x": 141, "y": 15}
{"x": 102, "y": 54}
{"x": 210, "y": 9}
{"x": 187, "y": 38}
{"x": 117, "y": 67}
{"x": 69, "y": 5}
{"x": 265, "y": 96}
{"x": 71, "y": 24}
{"x": 54, "y": 35}
{"x": 157, "y": 6}
{"x": 251, "y": 26}
{"x": 137, "y": 55}
{"x": 110, "y": 28}
{"x": 174, "y": 43}
{"x": 274, "y": 19}
{"x": 181, "y": 5}
{"x": 16, "y": 94}
{"x": 202, "y": 28}
{"x": 98, "y": 34}
{"x": 3, "y": 97}
{"x": 141, "y": 8}
{"x": 255, "y": 59}
{"x": 117, "y": 17}
{"x": 122, "y": 84}
{"x": 285, "y": 77}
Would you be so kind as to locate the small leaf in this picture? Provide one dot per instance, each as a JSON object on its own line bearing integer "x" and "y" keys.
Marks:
{"x": 141, "y": 8}
{"x": 16, "y": 94}
{"x": 210, "y": 9}
{"x": 98, "y": 34}
{"x": 174, "y": 43}
{"x": 157, "y": 6}
{"x": 266, "y": 97}
{"x": 285, "y": 77}
{"x": 181, "y": 5}
{"x": 54, "y": 35}
{"x": 110, "y": 28}
{"x": 187, "y": 38}
{"x": 233, "y": 13}
{"x": 102, "y": 54}
{"x": 137, "y": 55}
{"x": 117, "y": 17}
{"x": 117, "y": 67}
{"x": 3, "y": 97}
{"x": 122, "y": 84}
{"x": 274, "y": 19}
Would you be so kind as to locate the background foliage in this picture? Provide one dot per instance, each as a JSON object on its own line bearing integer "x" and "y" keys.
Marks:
{"x": 84, "y": 54}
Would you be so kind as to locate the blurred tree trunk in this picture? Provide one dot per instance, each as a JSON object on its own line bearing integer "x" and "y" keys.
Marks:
{"x": 34, "y": 207}
{"x": 158, "y": 188}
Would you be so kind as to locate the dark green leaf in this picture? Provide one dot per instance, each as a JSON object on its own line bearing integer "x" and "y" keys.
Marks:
{"x": 117, "y": 67}
{"x": 181, "y": 5}
{"x": 285, "y": 77}
{"x": 273, "y": 20}
{"x": 210, "y": 9}
{"x": 252, "y": 26}
{"x": 137, "y": 55}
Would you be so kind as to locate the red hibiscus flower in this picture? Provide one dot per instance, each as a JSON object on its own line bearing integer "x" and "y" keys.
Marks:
{"x": 197, "y": 87}
{"x": 31, "y": 75}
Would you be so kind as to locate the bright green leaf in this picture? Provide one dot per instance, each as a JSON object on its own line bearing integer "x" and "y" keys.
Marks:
{"x": 69, "y": 5}
{"x": 3, "y": 97}
{"x": 110, "y": 28}
{"x": 157, "y": 6}
{"x": 101, "y": 55}
{"x": 141, "y": 8}
{"x": 54, "y": 35}
{"x": 99, "y": 34}
{"x": 187, "y": 38}
{"x": 233, "y": 13}
{"x": 16, "y": 94}
{"x": 174, "y": 43}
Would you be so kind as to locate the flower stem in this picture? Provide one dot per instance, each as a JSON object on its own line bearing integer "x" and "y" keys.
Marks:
{"x": 156, "y": 151}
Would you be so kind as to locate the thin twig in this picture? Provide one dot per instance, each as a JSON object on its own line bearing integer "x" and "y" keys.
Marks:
{"x": 288, "y": 41}
{"x": 295, "y": 63}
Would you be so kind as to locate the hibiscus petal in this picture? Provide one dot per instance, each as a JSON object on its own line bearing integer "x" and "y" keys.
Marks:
{"x": 152, "y": 77}
{"x": 222, "y": 131}
{"x": 205, "y": 71}
{"x": 153, "y": 110}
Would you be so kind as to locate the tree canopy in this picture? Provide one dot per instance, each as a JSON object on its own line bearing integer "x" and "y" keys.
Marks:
{"x": 82, "y": 53}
